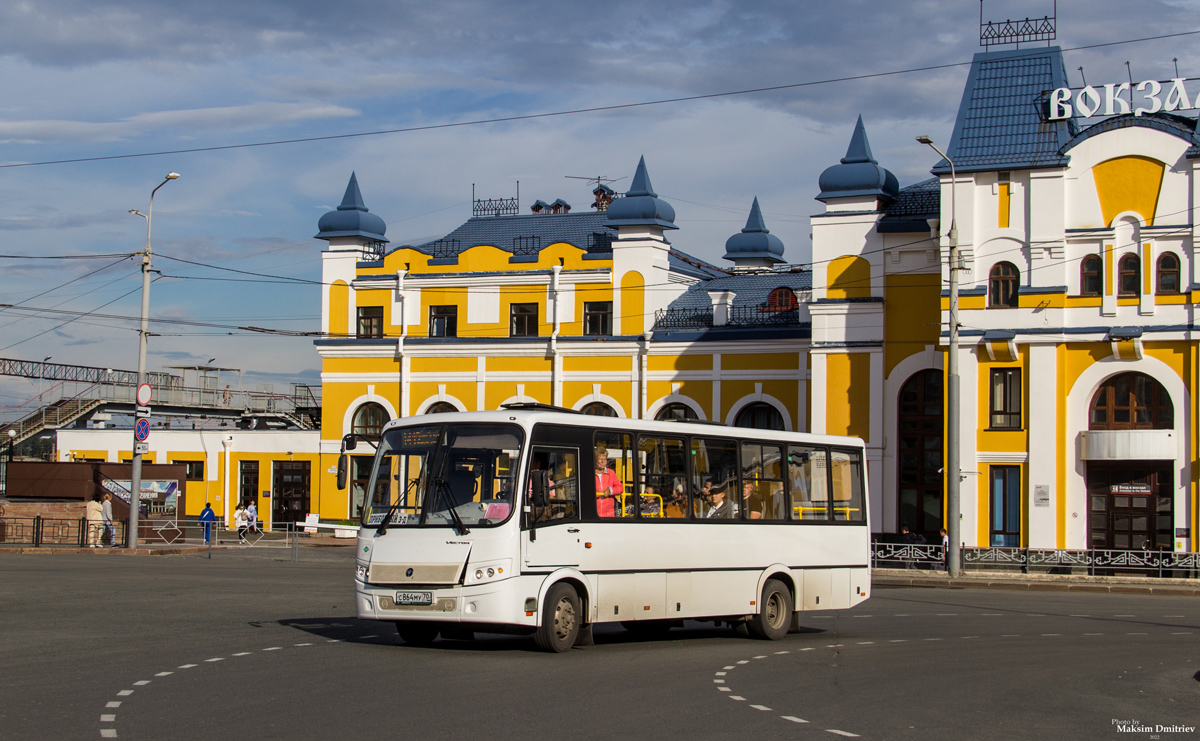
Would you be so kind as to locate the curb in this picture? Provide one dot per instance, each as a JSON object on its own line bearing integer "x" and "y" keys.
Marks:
{"x": 1173, "y": 590}
{"x": 178, "y": 551}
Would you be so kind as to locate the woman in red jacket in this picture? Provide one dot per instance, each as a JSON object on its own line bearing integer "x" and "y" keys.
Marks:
{"x": 608, "y": 485}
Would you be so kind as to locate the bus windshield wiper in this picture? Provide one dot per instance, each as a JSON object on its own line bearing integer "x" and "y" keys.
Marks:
{"x": 441, "y": 483}
{"x": 383, "y": 526}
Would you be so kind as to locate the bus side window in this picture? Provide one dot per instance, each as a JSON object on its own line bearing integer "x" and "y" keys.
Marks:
{"x": 714, "y": 478}
{"x": 664, "y": 476}
{"x": 562, "y": 481}
{"x": 846, "y": 476}
{"x": 762, "y": 485}
{"x": 613, "y": 472}
{"x": 808, "y": 483}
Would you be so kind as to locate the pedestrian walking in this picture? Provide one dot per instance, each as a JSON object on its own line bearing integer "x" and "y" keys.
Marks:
{"x": 945, "y": 549}
{"x": 106, "y": 517}
{"x": 239, "y": 520}
{"x": 207, "y": 518}
{"x": 252, "y": 517}
{"x": 95, "y": 522}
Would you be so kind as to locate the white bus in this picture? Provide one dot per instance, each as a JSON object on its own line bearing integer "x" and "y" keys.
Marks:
{"x": 544, "y": 521}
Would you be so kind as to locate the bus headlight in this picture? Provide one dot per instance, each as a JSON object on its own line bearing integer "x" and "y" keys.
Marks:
{"x": 360, "y": 573}
{"x": 479, "y": 573}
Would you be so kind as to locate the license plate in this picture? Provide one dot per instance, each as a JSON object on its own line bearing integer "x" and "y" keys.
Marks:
{"x": 414, "y": 598}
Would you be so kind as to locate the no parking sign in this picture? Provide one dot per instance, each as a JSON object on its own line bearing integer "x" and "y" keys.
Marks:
{"x": 141, "y": 430}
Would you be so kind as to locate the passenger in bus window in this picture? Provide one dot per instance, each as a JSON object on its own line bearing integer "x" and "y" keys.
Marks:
{"x": 608, "y": 485}
{"x": 752, "y": 503}
{"x": 720, "y": 508}
{"x": 651, "y": 503}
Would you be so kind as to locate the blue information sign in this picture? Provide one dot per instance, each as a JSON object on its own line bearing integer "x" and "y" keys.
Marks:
{"x": 141, "y": 430}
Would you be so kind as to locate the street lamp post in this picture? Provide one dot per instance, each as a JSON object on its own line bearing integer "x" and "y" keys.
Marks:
{"x": 953, "y": 443}
{"x": 135, "y": 484}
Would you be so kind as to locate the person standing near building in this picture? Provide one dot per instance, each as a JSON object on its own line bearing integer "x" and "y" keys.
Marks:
{"x": 207, "y": 518}
{"x": 95, "y": 521}
{"x": 252, "y": 516}
{"x": 106, "y": 517}
{"x": 239, "y": 519}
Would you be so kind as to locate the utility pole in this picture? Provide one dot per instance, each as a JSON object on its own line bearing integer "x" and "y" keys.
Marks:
{"x": 135, "y": 484}
{"x": 953, "y": 441}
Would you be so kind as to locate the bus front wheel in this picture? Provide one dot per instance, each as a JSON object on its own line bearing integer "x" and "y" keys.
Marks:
{"x": 417, "y": 634}
{"x": 560, "y": 619}
{"x": 774, "y": 612}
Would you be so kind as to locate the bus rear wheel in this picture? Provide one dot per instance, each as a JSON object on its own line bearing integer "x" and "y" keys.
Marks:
{"x": 560, "y": 619}
{"x": 417, "y": 634}
{"x": 774, "y": 612}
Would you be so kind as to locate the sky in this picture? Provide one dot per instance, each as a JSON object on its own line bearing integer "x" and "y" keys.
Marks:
{"x": 94, "y": 78}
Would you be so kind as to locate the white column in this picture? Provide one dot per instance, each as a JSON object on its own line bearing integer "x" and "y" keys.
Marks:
{"x": 968, "y": 370}
{"x": 480, "y": 382}
{"x": 716, "y": 414}
{"x": 802, "y": 395}
{"x": 1042, "y": 423}
{"x": 819, "y": 388}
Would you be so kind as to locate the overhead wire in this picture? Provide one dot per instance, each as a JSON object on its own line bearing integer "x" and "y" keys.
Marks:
{"x": 567, "y": 112}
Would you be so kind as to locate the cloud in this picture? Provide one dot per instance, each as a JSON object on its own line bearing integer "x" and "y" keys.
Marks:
{"x": 250, "y": 116}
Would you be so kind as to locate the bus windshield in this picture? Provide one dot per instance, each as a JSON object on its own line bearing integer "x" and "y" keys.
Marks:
{"x": 422, "y": 473}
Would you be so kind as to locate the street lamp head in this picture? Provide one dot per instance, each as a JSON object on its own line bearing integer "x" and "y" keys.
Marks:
{"x": 924, "y": 139}
{"x": 172, "y": 175}
{"x": 12, "y": 433}
{"x": 135, "y": 212}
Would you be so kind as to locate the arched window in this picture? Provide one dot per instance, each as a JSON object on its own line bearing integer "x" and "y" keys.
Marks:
{"x": 782, "y": 299}
{"x": 1091, "y": 276}
{"x": 1130, "y": 276}
{"x": 1168, "y": 273}
{"x": 369, "y": 420}
{"x": 677, "y": 411}
{"x": 1002, "y": 285}
{"x": 599, "y": 409}
{"x": 1131, "y": 401}
{"x": 441, "y": 407}
{"x": 760, "y": 416}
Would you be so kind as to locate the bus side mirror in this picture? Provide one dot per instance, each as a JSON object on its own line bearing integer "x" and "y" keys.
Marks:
{"x": 349, "y": 442}
{"x": 343, "y": 461}
{"x": 540, "y": 482}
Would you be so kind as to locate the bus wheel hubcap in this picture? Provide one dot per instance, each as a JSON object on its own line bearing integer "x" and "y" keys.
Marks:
{"x": 774, "y": 610}
{"x": 564, "y": 618}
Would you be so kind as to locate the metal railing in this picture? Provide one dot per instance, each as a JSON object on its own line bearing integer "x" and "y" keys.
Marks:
{"x": 69, "y": 532}
{"x": 762, "y": 316}
{"x": 699, "y": 318}
{"x": 1092, "y": 562}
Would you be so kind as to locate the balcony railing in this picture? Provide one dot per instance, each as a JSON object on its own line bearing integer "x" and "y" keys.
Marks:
{"x": 683, "y": 318}
{"x": 760, "y": 316}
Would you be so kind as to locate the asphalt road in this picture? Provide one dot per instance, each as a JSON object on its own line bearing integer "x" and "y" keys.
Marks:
{"x": 250, "y": 645}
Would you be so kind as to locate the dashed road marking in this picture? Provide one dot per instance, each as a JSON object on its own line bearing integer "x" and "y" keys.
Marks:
{"x": 1184, "y": 633}
{"x": 760, "y": 707}
{"x": 301, "y": 644}
{"x": 865, "y": 643}
{"x": 842, "y": 733}
{"x": 718, "y": 681}
{"x": 725, "y": 689}
{"x": 108, "y": 718}
{"x": 793, "y": 719}
{"x": 187, "y": 666}
{"x": 164, "y": 674}
{"x": 760, "y": 657}
{"x": 113, "y": 704}
{"x": 124, "y": 693}
{"x": 141, "y": 683}
{"x": 108, "y": 733}
{"x": 721, "y": 674}
{"x": 780, "y": 653}
{"x": 739, "y": 698}
{"x": 242, "y": 653}
{"x": 273, "y": 648}
{"x": 210, "y": 661}
{"x": 744, "y": 661}
{"x": 727, "y": 668}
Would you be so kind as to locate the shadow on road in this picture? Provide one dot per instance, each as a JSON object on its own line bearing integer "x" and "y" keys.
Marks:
{"x": 371, "y": 632}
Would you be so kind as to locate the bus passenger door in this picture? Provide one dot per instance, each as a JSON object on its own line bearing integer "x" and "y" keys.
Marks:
{"x": 552, "y": 536}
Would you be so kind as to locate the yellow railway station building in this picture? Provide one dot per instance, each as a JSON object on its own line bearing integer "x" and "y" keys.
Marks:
{"x": 1077, "y": 306}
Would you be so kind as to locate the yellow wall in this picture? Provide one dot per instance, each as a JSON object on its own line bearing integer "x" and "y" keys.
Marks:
{"x": 1128, "y": 184}
{"x": 848, "y": 277}
{"x": 912, "y": 320}
{"x": 848, "y": 395}
{"x": 1003, "y": 208}
{"x": 633, "y": 303}
{"x": 339, "y": 296}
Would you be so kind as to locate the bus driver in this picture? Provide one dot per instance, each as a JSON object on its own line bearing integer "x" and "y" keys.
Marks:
{"x": 608, "y": 485}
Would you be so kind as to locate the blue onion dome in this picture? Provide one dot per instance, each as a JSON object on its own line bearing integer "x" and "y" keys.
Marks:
{"x": 755, "y": 241}
{"x": 351, "y": 219}
{"x": 859, "y": 174}
{"x": 641, "y": 205}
